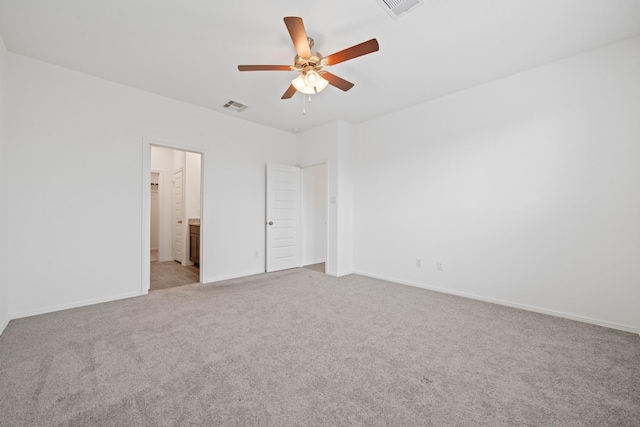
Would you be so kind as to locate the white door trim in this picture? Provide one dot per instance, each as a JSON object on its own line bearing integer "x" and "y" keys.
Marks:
{"x": 145, "y": 281}
{"x": 146, "y": 218}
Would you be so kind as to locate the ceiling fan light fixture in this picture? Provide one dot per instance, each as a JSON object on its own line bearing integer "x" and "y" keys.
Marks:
{"x": 322, "y": 83}
{"x": 299, "y": 84}
{"x": 310, "y": 83}
{"x": 311, "y": 78}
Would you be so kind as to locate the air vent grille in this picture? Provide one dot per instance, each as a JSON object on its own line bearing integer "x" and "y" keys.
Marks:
{"x": 397, "y": 8}
{"x": 235, "y": 106}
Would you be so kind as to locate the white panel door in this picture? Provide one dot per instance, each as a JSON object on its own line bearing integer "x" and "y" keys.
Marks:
{"x": 178, "y": 217}
{"x": 283, "y": 217}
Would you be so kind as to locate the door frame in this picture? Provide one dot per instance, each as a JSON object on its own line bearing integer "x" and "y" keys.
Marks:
{"x": 328, "y": 212}
{"x": 147, "y": 143}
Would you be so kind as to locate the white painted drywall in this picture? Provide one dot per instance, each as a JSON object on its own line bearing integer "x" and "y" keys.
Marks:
{"x": 345, "y": 198}
{"x": 75, "y": 196}
{"x": 191, "y": 180}
{"x": 527, "y": 189}
{"x": 4, "y": 248}
{"x": 161, "y": 159}
{"x": 178, "y": 160}
{"x": 314, "y": 214}
{"x": 193, "y": 172}
{"x": 330, "y": 143}
{"x": 155, "y": 210}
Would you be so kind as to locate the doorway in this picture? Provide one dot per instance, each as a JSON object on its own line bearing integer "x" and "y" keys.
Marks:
{"x": 314, "y": 210}
{"x": 296, "y": 217}
{"x": 173, "y": 217}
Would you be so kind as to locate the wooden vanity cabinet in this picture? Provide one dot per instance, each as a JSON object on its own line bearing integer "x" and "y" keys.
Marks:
{"x": 194, "y": 244}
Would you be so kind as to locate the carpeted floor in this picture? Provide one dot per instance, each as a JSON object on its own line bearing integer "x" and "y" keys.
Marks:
{"x": 300, "y": 348}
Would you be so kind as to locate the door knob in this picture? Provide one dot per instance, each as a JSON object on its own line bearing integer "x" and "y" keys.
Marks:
{"x": 179, "y": 221}
{"x": 270, "y": 222}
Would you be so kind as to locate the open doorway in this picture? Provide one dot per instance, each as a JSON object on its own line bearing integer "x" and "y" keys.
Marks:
{"x": 314, "y": 217}
{"x": 175, "y": 201}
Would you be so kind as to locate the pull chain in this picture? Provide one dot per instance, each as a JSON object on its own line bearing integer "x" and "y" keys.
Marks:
{"x": 304, "y": 109}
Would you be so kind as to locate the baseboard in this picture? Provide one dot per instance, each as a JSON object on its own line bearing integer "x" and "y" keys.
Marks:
{"x": 73, "y": 305}
{"x": 340, "y": 273}
{"x": 344, "y": 273}
{"x": 3, "y": 325}
{"x": 554, "y": 313}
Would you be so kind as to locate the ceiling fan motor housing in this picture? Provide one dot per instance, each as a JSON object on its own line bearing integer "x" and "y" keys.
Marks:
{"x": 314, "y": 62}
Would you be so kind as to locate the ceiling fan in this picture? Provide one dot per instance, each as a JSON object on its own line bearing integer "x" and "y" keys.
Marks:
{"x": 312, "y": 78}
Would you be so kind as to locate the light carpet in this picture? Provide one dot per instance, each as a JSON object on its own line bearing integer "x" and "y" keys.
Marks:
{"x": 300, "y": 348}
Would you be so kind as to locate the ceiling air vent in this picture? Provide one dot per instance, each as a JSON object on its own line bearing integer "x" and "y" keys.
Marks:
{"x": 235, "y": 106}
{"x": 397, "y": 8}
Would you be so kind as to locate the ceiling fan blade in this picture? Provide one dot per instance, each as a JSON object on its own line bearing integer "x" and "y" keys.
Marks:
{"x": 264, "y": 67}
{"x": 363, "y": 48}
{"x": 289, "y": 93}
{"x": 336, "y": 81}
{"x": 298, "y": 35}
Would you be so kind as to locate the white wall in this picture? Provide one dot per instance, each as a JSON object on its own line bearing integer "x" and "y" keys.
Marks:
{"x": 4, "y": 286}
{"x": 314, "y": 214}
{"x": 527, "y": 189}
{"x": 161, "y": 160}
{"x": 192, "y": 168}
{"x": 155, "y": 210}
{"x": 345, "y": 198}
{"x": 75, "y": 196}
{"x": 331, "y": 143}
{"x": 178, "y": 160}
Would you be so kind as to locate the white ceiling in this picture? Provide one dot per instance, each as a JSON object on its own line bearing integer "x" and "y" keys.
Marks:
{"x": 189, "y": 50}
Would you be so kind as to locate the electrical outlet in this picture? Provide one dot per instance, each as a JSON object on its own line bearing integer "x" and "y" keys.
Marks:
{"x": 439, "y": 266}
{"x": 418, "y": 262}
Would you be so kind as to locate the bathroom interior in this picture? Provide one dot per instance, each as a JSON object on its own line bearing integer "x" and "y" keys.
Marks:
{"x": 175, "y": 217}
